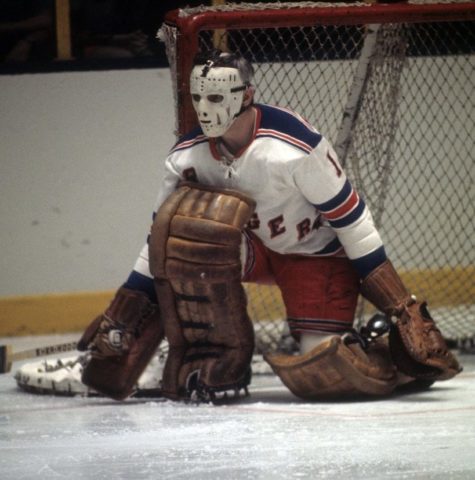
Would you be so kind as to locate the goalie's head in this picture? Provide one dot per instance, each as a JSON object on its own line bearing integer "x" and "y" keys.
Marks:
{"x": 218, "y": 83}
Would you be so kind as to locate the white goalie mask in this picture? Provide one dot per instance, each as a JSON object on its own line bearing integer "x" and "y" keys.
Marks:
{"x": 217, "y": 94}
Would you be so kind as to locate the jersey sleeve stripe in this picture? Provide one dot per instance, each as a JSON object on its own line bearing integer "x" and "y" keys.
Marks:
{"x": 347, "y": 206}
{"x": 351, "y": 217}
{"x": 338, "y": 200}
{"x": 344, "y": 208}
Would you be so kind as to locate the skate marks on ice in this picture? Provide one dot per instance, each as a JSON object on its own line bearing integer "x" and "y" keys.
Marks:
{"x": 269, "y": 435}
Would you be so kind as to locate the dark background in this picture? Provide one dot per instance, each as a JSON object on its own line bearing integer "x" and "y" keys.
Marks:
{"x": 105, "y": 34}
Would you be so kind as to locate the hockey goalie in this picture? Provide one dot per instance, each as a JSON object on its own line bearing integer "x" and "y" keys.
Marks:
{"x": 256, "y": 194}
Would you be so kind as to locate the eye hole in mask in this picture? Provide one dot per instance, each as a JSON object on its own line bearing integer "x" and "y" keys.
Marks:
{"x": 213, "y": 98}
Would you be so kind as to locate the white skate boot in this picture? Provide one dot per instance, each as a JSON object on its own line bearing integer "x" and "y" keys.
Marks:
{"x": 62, "y": 376}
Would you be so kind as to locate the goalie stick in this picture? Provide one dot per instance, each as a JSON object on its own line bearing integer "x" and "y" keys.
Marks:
{"x": 7, "y": 356}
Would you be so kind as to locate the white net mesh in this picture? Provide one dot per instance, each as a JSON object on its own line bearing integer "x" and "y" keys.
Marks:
{"x": 408, "y": 90}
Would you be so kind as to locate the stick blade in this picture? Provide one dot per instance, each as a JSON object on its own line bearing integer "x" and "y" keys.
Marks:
{"x": 5, "y": 361}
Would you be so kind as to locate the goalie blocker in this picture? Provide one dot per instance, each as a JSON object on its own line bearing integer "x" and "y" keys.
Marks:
{"x": 195, "y": 260}
{"x": 122, "y": 341}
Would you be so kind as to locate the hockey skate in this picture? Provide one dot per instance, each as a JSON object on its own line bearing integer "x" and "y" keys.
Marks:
{"x": 62, "y": 376}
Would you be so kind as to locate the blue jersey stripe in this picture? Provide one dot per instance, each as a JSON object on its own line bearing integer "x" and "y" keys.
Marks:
{"x": 350, "y": 218}
{"x": 337, "y": 200}
{"x": 273, "y": 118}
{"x": 141, "y": 283}
{"x": 330, "y": 248}
{"x": 366, "y": 264}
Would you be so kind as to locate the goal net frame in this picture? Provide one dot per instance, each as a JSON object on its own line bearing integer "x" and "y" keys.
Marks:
{"x": 181, "y": 32}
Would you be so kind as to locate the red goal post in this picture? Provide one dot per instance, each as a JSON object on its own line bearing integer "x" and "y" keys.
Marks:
{"x": 189, "y": 25}
{"x": 392, "y": 87}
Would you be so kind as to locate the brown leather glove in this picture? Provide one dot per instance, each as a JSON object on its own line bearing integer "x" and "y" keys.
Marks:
{"x": 418, "y": 348}
{"x": 417, "y": 345}
{"x": 121, "y": 341}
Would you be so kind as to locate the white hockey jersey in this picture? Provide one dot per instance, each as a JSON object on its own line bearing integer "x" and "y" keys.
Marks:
{"x": 305, "y": 203}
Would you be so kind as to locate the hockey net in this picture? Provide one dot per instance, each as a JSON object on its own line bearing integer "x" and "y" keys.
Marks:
{"x": 392, "y": 87}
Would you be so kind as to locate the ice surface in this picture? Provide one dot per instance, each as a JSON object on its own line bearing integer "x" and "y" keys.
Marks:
{"x": 270, "y": 435}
